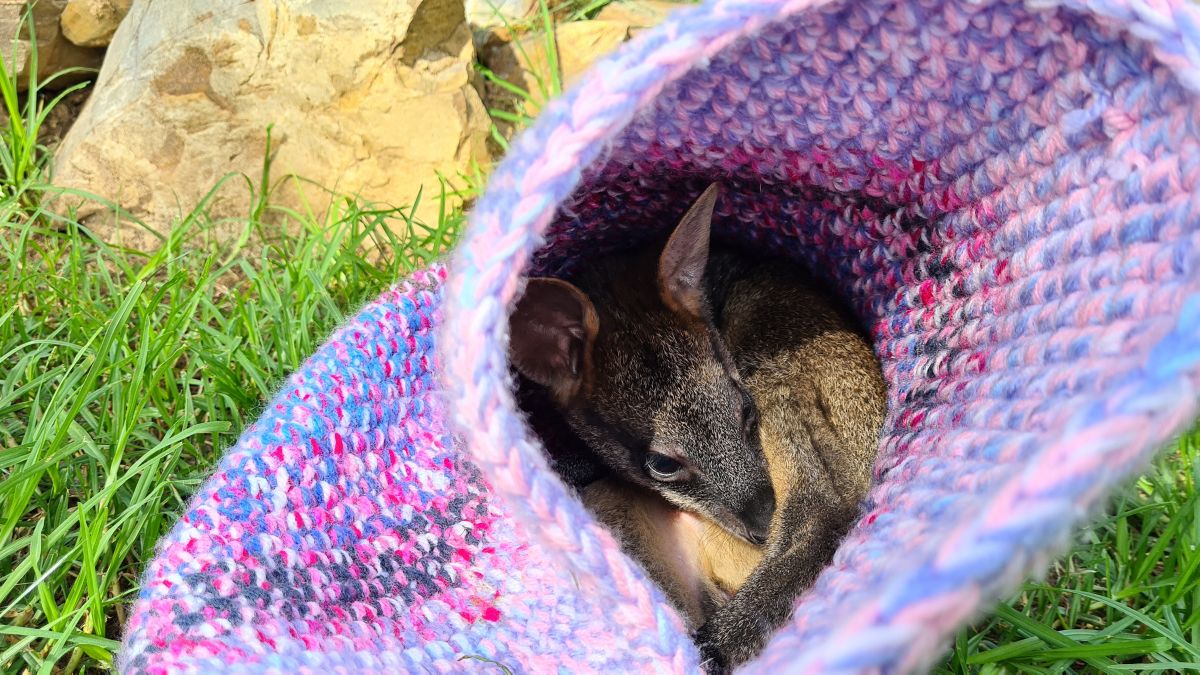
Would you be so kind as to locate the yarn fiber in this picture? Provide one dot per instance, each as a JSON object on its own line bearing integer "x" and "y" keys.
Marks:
{"x": 1004, "y": 192}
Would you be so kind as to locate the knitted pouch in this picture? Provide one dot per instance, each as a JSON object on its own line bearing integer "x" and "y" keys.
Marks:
{"x": 1005, "y": 193}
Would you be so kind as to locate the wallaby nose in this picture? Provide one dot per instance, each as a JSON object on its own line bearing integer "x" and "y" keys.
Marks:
{"x": 756, "y": 517}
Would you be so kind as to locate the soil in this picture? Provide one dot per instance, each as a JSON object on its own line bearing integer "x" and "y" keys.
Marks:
{"x": 59, "y": 120}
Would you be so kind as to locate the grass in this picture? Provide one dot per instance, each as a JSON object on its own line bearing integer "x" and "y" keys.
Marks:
{"x": 520, "y": 105}
{"x": 1127, "y": 598}
{"x": 21, "y": 155}
{"x": 124, "y": 374}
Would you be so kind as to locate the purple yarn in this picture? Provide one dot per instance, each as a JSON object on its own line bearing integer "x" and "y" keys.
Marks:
{"x": 1005, "y": 192}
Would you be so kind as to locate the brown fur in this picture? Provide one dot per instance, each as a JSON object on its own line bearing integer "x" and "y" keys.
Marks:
{"x": 636, "y": 368}
{"x": 820, "y": 397}
{"x": 697, "y": 563}
{"x": 667, "y": 541}
{"x": 649, "y": 354}
{"x": 822, "y": 400}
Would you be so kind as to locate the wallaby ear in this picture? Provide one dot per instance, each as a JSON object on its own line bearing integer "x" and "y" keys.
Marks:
{"x": 551, "y": 330}
{"x": 681, "y": 265}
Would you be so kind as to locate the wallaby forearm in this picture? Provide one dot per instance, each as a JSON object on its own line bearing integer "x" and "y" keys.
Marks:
{"x": 738, "y": 631}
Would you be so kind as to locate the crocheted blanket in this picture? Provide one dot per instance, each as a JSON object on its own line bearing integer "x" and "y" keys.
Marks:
{"x": 1005, "y": 192}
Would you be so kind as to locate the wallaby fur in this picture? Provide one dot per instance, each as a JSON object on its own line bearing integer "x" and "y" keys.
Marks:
{"x": 635, "y": 365}
{"x": 693, "y": 560}
{"x": 569, "y": 456}
{"x": 820, "y": 396}
{"x": 667, "y": 541}
{"x": 821, "y": 400}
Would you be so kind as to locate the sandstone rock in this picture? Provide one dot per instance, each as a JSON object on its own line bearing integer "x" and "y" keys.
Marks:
{"x": 580, "y": 43}
{"x": 525, "y": 62}
{"x": 488, "y": 13}
{"x": 372, "y": 98}
{"x": 55, "y": 53}
{"x": 91, "y": 23}
{"x": 639, "y": 14}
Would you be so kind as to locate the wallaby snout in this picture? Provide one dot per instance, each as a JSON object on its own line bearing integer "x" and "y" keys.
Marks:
{"x": 756, "y": 516}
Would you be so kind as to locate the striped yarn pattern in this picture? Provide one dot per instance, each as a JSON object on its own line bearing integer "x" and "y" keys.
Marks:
{"x": 1006, "y": 194}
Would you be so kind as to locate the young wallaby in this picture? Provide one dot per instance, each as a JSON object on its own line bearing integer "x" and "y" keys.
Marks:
{"x": 632, "y": 358}
{"x": 820, "y": 398}
{"x": 699, "y": 565}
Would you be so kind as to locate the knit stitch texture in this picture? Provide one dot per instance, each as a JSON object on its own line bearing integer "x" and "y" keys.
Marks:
{"x": 1006, "y": 194}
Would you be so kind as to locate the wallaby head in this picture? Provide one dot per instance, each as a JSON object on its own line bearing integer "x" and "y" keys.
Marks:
{"x": 639, "y": 371}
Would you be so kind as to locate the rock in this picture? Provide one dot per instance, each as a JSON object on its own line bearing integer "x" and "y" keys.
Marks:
{"x": 482, "y": 14}
{"x": 639, "y": 14}
{"x": 524, "y": 61}
{"x": 580, "y": 43}
{"x": 372, "y": 98}
{"x": 91, "y": 23}
{"x": 55, "y": 53}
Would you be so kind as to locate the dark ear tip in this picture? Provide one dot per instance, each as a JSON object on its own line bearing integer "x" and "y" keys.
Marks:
{"x": 539, "y": 287}
{"x": 538, "y": 281}
{"x": 707, "y": 201}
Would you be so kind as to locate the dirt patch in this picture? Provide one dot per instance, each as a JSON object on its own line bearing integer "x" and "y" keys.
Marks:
{"x": 59, "y": 120}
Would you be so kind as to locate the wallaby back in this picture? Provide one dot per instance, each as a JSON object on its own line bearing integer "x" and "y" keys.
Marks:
{"x": 821, "y": 399}
{"x": 811, "y": 372}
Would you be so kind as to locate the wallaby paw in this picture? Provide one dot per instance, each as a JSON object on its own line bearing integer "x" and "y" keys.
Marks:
{"x": 728, "y": 640}
{"x": 711, "y": 659}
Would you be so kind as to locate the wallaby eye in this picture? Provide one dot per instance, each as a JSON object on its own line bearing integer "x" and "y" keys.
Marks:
{"x": 663, "y": 468}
